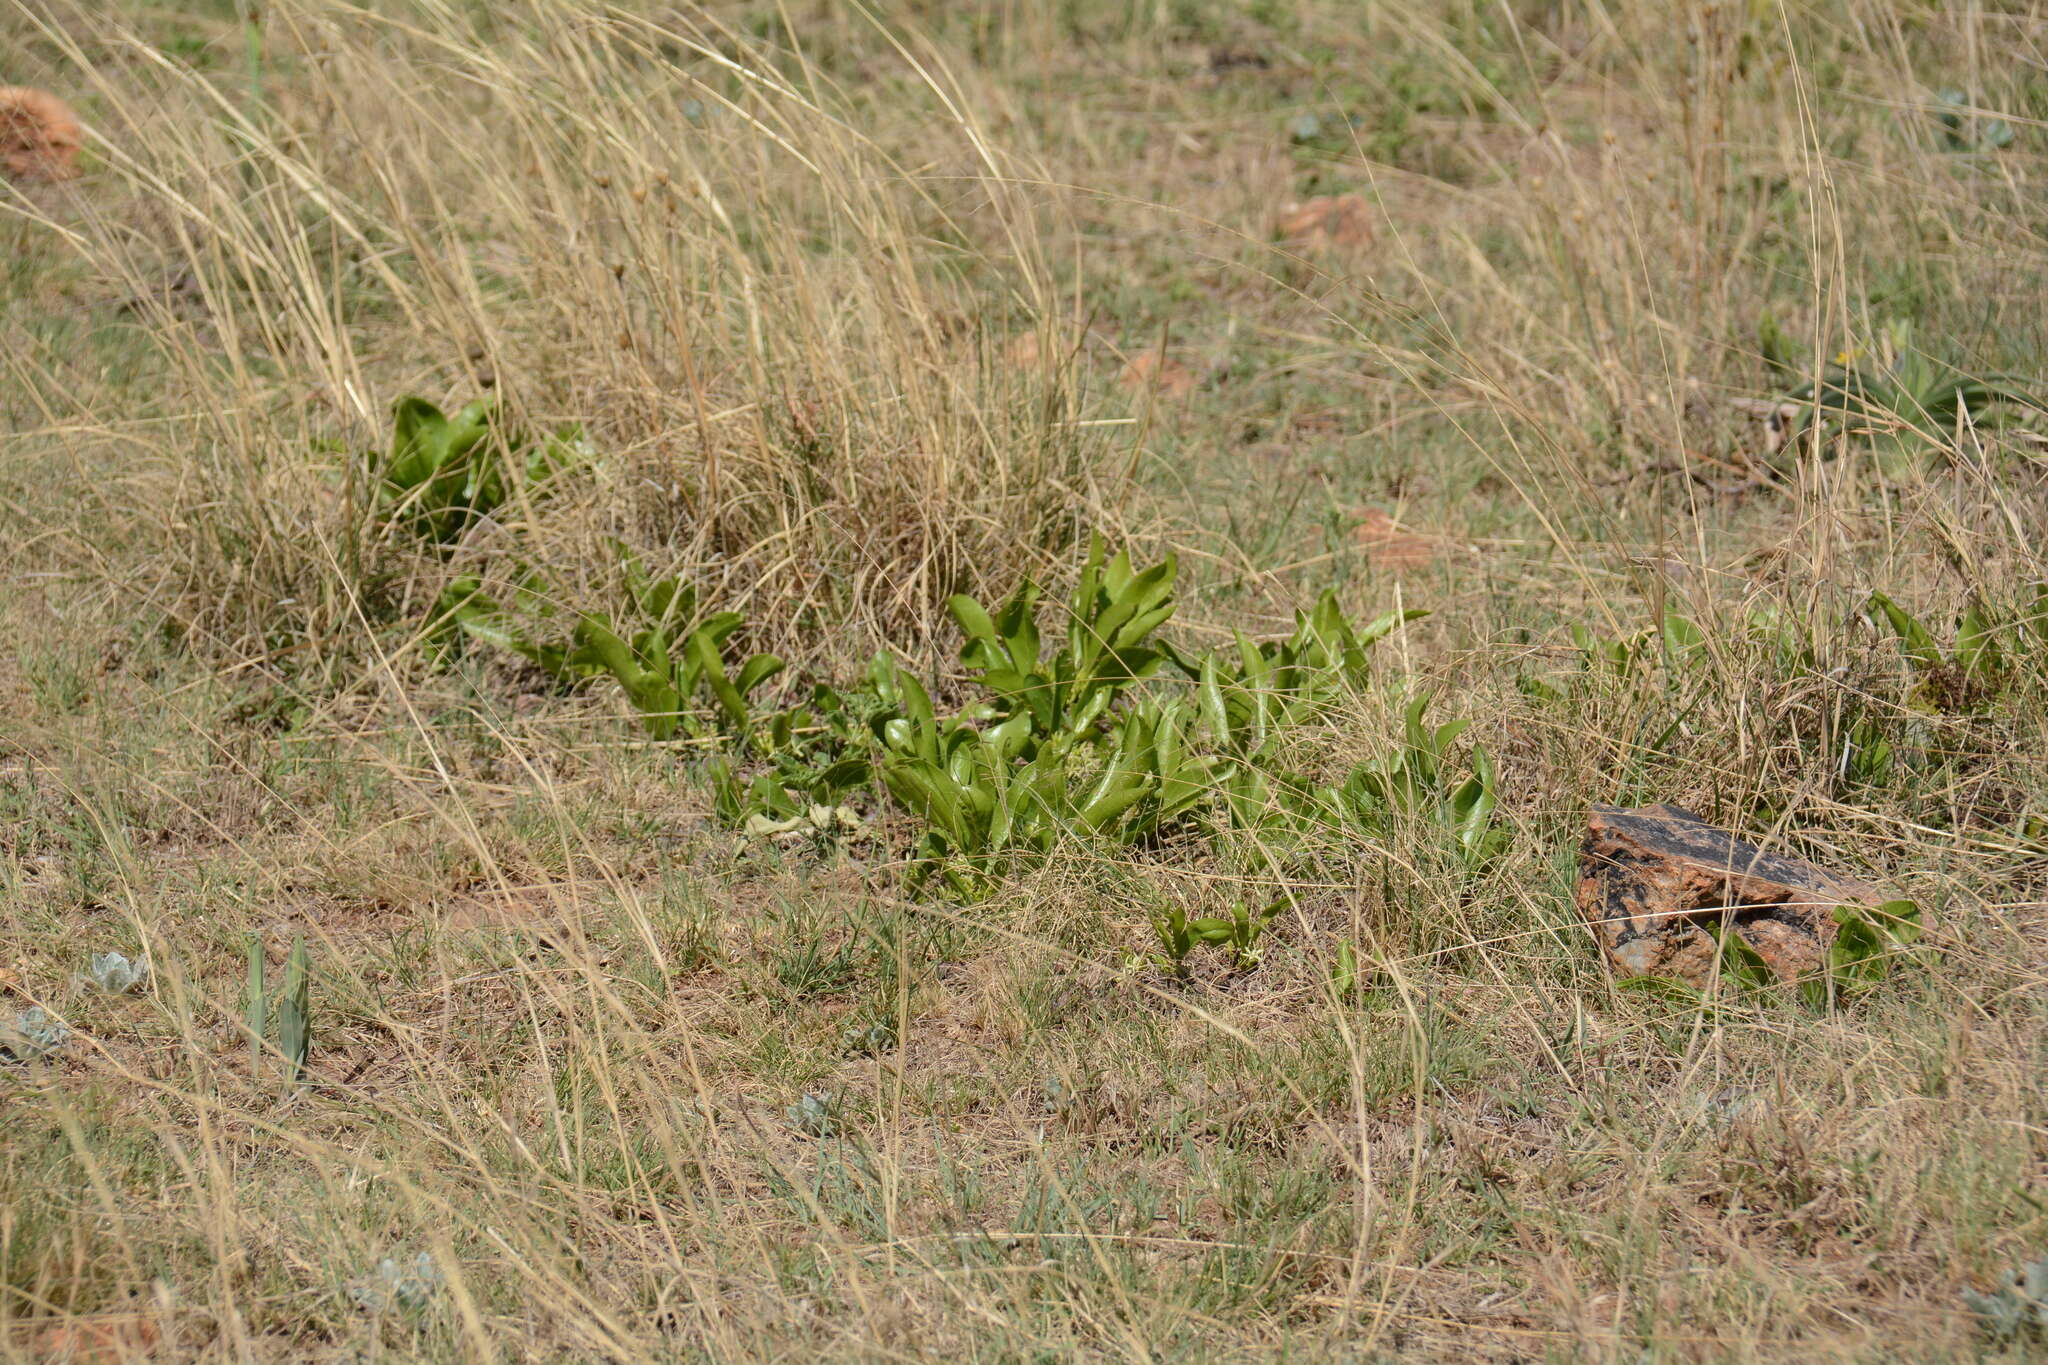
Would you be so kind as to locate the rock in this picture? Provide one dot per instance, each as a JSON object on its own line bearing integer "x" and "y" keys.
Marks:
{"x": 39, "y": 137}
{"x": 1656, "y": 882}
{"x": 1025, "y": 351}
{"x": 1387, "y": 546}
{"x": 1341, "y": 221}
{"x": 99, "y": 1340}
{"x": 1151, "y": 370}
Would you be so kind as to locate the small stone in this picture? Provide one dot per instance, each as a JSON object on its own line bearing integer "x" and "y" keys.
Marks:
{"x": 99, "y": 1340}
{"x": 1656, "y": 884}
{"x": 1025, "y": 351}
{"x": 1390, "y": 547}
{"x": 1151, "y": 370}
{"x": 1341, "y": 221}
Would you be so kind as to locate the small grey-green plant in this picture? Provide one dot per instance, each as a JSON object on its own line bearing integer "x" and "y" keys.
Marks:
{"x": 35, "y": 1033}
{"x": 814, "y": 1115}
{"x": 868, "y": 1040}
{"x": 1963, "y": 131}
{"x": 406, "y": 1286}
{"x": 295, "y": 1013}
{"x": 115, "y": 974}
{"x": 255, "y": 1006}
{"x": 2018, "y": 1310}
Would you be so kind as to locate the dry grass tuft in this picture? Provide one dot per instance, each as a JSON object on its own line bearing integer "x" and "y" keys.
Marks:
{"x": 862, "y": 306}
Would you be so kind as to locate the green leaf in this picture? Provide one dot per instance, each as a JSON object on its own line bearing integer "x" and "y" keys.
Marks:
{"x": 1114, "y": 794}
{"x": 1344, "y": 973}
{"x": 256, "y": 1007}
{"x": 1209, "y": 692}
{"x": 756, "y": 671}
{"x": 1385, "y": 625}
{"x": 1416, "y": 736}
{"x": 1900, "y": 919}
{"x": 597, "y": 644}
{"x": 1742, "y": 965}
{"x": 976, "y": 625}
{"x": 1976, "y": 644}
{"x": 1918, "y": 645}
{"x": 1780, "y": 354}
{"x": 1473, "y": 805}
{"x": 1681, "y": 637}
{"x": 1020, "y": 627}
{"x": 847, "y": 775}
{"x": 1856, "y": 960}
{"x": 927, "y": 791}
{"x": 295, "y": 1013}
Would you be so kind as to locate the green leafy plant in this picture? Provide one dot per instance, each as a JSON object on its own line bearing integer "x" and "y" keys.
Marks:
{"x": 1347, "y": 982}
{"x": 1866, "y": 946}
{"x": 1281, "y": 814}
{"x": 1238, "y": 934}
{"x": 294, "y": 1010}
{"x": 1677, "y": 642}
{"x": 659, "y": 649}
{"x": 671, "y": 655}
{"x": 1250, "y": 699}
{"x": 1867, "y": 943}
{"x": 1742, "y": 966}
{"x": 1113, "y": 613}
{"x": 979, "y": 800}
{"x": 1418, "y": 783}
{"x": 463, "y": 611}
{"x": 443, "y": 473}
{"x": 1676, "y": 645}
{"x": 984, "y": 800}
{"x": 1958, "y": 678}
{"x": 1176, "y": 936}
{"x": 1896, "y": 400}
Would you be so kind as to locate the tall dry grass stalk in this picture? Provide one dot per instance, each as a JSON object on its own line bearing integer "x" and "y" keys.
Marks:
{"x": 657, "y": 225}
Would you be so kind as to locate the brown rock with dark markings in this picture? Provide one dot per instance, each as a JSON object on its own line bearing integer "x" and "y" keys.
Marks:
{"x": 1656, "y": 882}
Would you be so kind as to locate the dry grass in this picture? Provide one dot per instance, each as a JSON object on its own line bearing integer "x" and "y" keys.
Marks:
{"x": 860, "y": 311}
